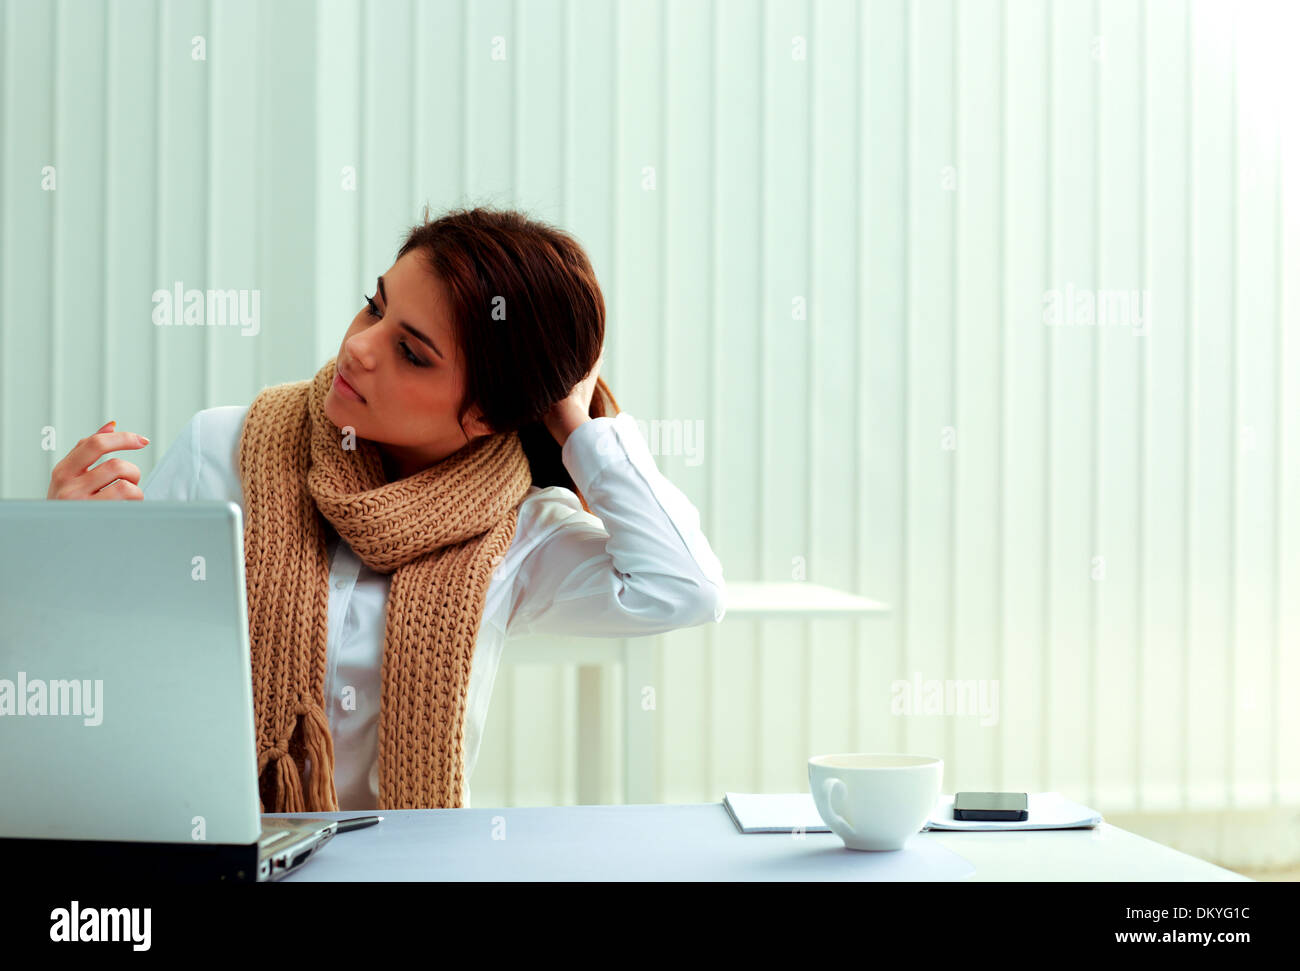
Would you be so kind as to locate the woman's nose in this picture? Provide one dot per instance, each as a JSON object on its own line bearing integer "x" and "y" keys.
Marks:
{"x": 360, "y": 348}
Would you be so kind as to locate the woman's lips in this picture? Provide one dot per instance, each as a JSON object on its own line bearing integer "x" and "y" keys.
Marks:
{"x": 346, "y": 389}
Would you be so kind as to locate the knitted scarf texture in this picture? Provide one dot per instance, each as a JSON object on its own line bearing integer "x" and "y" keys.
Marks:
{"x": 440, "y": 534}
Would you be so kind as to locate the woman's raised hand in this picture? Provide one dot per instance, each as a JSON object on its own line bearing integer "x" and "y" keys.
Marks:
{"x": 72, "y": 477}
{"x": 570, "y": 412}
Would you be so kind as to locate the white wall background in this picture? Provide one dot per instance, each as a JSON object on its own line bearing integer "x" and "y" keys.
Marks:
{"x": 1101, "y": 519}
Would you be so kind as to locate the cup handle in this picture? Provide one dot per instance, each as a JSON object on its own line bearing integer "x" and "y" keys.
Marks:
{"x": 830, "y": 788}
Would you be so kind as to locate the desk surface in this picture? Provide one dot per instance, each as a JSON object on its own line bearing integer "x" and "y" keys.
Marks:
{"x": 700, "y": 842}
{"x": 795, "y": 600}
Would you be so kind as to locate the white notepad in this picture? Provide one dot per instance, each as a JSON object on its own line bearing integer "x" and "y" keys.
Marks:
{"x": 756, "y": 812}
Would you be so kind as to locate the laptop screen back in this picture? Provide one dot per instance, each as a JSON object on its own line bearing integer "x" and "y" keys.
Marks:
{"x": 125, "y": 680}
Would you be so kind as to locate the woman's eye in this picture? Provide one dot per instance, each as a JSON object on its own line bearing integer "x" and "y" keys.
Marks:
{"x": 373, "y": 310}
{"x": 409, "y": 356}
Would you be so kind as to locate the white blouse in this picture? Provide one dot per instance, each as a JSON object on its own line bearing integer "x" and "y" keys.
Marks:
{"x": 652, "y": 571}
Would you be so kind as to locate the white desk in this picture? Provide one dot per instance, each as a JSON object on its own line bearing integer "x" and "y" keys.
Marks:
{"x": 796, "y": 600}
{"x": 791, "y": 600}
{"x": 1105, "y": 852}
{"x": 700, "y": 842}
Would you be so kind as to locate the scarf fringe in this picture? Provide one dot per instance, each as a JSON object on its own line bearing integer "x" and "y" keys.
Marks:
{"x": 291, "y": 796}
{"x": 319, "y": 747}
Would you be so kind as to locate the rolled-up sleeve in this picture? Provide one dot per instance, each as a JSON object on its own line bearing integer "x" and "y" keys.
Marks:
{"x": 638, "y": 564}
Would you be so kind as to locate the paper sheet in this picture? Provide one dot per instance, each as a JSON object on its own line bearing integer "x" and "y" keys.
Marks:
{"x": 783, "y": 812}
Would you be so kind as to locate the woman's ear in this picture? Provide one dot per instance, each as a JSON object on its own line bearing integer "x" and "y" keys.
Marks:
{"x": 474, "y": 425}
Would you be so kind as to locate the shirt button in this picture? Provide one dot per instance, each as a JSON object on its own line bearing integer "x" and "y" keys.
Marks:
{"x": 340, "y": 584}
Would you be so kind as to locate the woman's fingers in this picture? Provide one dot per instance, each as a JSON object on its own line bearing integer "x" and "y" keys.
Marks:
{"x": 72, "y": 477}
{"x": 106, "y": 472}
{"x": 119, "y": 489}
{"x": 89, "y": 450}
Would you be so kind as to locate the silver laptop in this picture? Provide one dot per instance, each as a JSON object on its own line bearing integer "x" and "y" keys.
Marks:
{"x": 126, "y": 706}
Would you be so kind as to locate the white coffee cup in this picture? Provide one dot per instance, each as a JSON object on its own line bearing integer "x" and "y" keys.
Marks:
{"x": 875, "y": 801}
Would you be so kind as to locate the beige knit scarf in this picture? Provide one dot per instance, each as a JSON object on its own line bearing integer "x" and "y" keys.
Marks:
{"x": 440, "y": 533}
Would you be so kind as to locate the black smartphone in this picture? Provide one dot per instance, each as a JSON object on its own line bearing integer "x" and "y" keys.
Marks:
{"x": 991, "y": 806}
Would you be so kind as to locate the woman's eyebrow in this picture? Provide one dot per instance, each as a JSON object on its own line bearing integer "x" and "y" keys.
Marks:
{"x": 403, "y": 324}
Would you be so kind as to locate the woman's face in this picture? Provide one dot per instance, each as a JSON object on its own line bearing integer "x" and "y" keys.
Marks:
{"x": 411, "y": 391}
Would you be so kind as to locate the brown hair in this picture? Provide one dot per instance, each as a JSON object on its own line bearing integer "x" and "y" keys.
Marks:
{"x": 529, "y": 317}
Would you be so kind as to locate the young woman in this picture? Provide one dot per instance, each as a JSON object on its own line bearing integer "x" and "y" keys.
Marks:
{"x": 448, "y": 479}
